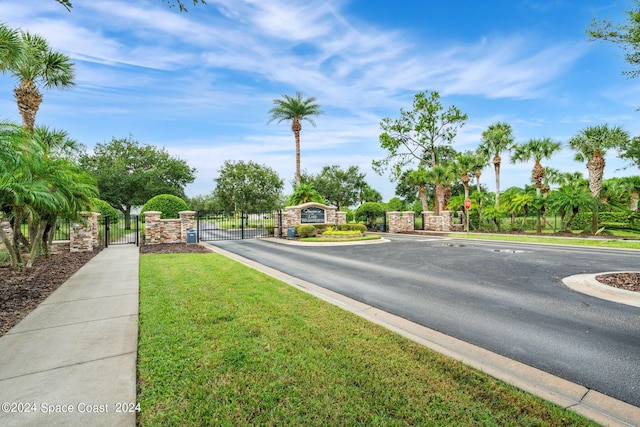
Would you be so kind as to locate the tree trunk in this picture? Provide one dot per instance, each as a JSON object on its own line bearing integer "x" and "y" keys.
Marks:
{"x": 296, "y": 127}
{"x": 36, "y": 247}
{"x": 8, "y": 244}
{"x": 496, "y": 164}
{"x": 422, "y": 193}
{"x": 439, "y": 197}
{"x": 29, "y": 99}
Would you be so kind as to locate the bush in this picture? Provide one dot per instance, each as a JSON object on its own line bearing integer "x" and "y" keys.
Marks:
{"x": 321, "y": 228}
{"x": 168, "y": 204}
{"x": 359, "y": 227}
{"x": 582, "y": 221}
{"x": 306, "y": 230}
{"x": 105, "y": 209}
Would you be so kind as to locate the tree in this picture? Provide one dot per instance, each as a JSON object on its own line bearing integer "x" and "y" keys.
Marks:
{"x": 35, "y": 64}
{"x": 591, "y": 144}
{"x": 172, "y": 3}
{"x": 169, "y": 205}
{"x": 630, "y": 150}
{"x": 626, "y": 36}
{"x": 536, "y": 150}
{"x": 440, "y": 176}
{"x": 247, "y": 186}
{"x": 568, "y": 200}
{"x": 305, "y": 193}
{"x": 130, "y": 173}
{"x": 37, "y": 185}
{"x": 369, "y": 194}
{"x": 497, "y": 138}
{"x": 340, "y": 187}
{"x": 423, "y": 135}
{"x": 465, "y": 165}
{"x": 296, "y": 109}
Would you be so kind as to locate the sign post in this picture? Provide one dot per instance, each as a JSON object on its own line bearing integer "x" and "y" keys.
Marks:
{"x": 467, "y": 206}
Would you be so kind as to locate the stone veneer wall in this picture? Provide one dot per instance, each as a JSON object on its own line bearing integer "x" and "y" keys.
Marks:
{"x": 400, "y": 222}
{"x": 442, "y": 222}
{"x": 83, "y": 234}
{"x": 158, "y": 230}
{"x": 291, "y": 216}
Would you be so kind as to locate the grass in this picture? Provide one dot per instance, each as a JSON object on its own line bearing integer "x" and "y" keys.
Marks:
{"x": 341, "y": 239}
{"x": 597, "y": 242}
{"x": 223, "y": 344}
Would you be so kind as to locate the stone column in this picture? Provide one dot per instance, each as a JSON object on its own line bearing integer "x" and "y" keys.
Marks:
{"x": 81, "y": 233}
{"x": 152, "y": 228}
{"x": 187, "y": 222}
{"x": 400, "y": 222}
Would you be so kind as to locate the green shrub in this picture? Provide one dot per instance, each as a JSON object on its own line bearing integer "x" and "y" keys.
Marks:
{"x": 306, "y": 230}
{"x": 105, "y": 209}
{"x": 582, "y": 221}
{"x": 168, "y": 204}
{"x": 321, "y": 228}
{"x": 344, "y": 227}
{"x": 358, "y": 227}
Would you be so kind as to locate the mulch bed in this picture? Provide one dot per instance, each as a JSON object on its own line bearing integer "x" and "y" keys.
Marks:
{"x": 626, "y": 281}
{"x": 22, "y": 292}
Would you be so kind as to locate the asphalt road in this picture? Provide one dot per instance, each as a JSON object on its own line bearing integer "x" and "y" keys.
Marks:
{"x": 505, "y": 297}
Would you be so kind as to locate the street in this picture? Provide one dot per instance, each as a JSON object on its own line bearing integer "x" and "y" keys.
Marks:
{"x": 505, "y": 297}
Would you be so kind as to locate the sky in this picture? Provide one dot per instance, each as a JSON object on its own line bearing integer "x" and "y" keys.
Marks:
{"x": 200, "y": 84}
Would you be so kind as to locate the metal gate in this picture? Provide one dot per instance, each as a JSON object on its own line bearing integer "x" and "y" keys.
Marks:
{"x": 120, "y": 231}
{"x": 237, "y": 225}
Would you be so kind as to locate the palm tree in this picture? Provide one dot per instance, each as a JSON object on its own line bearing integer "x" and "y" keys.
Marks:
{"x": 418, "y": 179}
{"x": 591, "y": 144}
{"x": 497, "y": 138}
{"x": 35, "y": 64}
{"x": 465, "y": 165}
{"x": 536, "y": 150}
{"x": 296, "y": 109}
{"x": 568, "y": 200}
{"x": 305, "y": 193}
{"x": 440, "y": 176}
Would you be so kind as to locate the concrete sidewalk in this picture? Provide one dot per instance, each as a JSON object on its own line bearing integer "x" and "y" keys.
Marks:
{"x": 72, "y": 361}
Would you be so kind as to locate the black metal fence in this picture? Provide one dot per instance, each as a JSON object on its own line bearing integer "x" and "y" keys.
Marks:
{"x": 119, "y": 230}
{"x": 60, "y": 230}
{"x": 237, "y": 225}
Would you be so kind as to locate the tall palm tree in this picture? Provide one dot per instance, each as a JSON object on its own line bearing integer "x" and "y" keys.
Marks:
{"x": 497, "y": 138}
{"x": 536, "y": 150}
{"x": 35, "y": 64}
{"x": 591, "y": 144}
{"x": 296, "y": 109}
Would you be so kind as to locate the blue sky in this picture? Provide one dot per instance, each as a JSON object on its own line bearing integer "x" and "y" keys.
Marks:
{"x": 201, "y": 83}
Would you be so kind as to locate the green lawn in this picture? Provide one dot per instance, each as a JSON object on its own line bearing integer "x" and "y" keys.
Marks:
{"x": 597, "y": 242}
{"x": 223, "y": 344}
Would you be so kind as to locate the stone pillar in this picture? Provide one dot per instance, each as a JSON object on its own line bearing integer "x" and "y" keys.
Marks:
{"x": 187, "y": 222}
{"x": 81, "y": 233}
{"x": 95, "y": 224}
{"x": 400, "y": 222}
{"x": 152, "y": 228}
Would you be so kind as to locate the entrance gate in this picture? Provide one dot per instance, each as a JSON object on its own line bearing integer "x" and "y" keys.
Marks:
{"x": 237, "y": 225}
{"x": 118, "y": 231}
